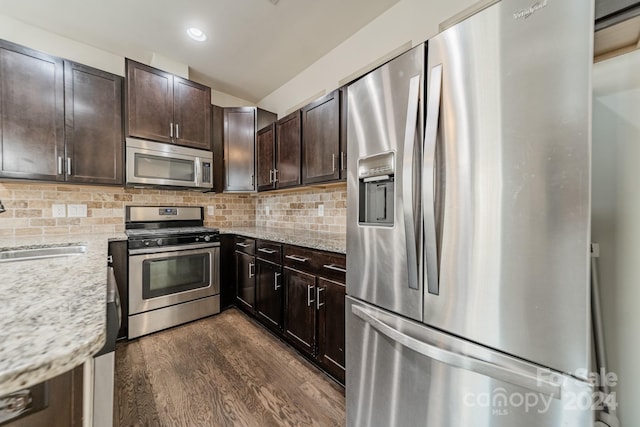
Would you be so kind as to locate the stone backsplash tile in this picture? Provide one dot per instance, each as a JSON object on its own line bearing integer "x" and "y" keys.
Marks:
{"x": 29, "y": 208}
{"x": 298, "y": 209}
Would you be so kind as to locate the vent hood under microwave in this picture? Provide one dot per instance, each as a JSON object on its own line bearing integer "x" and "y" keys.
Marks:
{"x": 160, "y": 165}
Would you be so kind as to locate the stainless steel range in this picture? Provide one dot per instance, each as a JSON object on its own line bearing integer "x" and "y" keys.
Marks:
{"x": 174, "y": 274}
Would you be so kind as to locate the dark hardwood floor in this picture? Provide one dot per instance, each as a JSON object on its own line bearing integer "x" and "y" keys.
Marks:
{"x": 225, "y": 370}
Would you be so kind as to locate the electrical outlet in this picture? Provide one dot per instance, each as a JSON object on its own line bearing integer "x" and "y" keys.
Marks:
{"x": 320, "y": 210}
{"x": 58, "y": 211}
{"x": 210, "y": 210}
{"x": 266, "y": 209}
{"x": 77, "y": 211}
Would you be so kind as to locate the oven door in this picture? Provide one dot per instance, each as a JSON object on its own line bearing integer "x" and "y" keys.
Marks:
{"x": 161, "y": 277}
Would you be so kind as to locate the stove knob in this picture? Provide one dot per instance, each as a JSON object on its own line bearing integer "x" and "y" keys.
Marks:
{"x": 207, "y": 238}
{"x": 159, "y": 242}
{"x": 146, "y": 243}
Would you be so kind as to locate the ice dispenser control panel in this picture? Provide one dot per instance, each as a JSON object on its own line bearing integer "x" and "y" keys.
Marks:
{"x": 377, "y": 189}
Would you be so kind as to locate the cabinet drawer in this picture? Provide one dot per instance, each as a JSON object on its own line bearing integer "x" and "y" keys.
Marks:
{"x": 302, "y": 259}
{"x": 246, "y": 245}
{"x": 332, "y": 266}
{"x": 269, "y": 251}
{"x": 325, "y": 264}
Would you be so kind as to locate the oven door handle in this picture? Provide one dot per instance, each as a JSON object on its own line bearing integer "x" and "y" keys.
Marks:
{"x": 144, "y": 251}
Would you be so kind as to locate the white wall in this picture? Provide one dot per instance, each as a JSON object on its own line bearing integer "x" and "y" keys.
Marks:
{"x": 411, "y": 21}
{"x": 616, "y": 219}
{"x": 53, "y": 44}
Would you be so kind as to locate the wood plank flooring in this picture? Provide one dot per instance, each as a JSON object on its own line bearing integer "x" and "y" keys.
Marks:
{"x": 225, "y": 370}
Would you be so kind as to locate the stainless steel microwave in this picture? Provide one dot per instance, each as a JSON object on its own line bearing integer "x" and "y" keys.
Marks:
{"x": 158, "y": 164}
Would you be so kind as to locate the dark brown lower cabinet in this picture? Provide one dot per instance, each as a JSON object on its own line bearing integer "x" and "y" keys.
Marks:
{"x": 246, "y": 280}
{"x": 331, "y": 325}
{"x": 297, "y": 292}
{"x": 300, "y": 310}
{"x": 269, "y": 293}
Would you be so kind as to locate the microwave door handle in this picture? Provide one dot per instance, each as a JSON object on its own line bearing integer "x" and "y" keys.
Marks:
{"x": 197, "y": 170}
{"x": 412, "y": 230}
{"x": 429, "y": 182}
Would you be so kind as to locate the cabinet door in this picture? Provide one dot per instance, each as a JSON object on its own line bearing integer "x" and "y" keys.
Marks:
{"x": 149, "y": 102}
{"x": 321, "y": 139}
{"x": 192, "y": 111}
{"x": 31, "y": 114}
{"x": 217, "y": 143}
{"x": 246, "y": 280}
{"x": 288, "y": 148}
{"x": 299, "y": 317}
{"x": 93, "y": 125}
{"x": 266, "y": 150}
{"x": 343, "y": 132}
{"x": 269, "y": 293}
{"x": 330, "y": 303}
{"x": 239, "y": 148}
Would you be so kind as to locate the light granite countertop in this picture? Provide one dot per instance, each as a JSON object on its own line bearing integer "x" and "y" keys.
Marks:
{"x": 332, "y": 242}
{"x": 52, "y": 311}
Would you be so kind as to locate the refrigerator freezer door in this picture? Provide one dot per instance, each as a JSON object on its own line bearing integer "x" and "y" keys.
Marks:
{"x": 402, "y": 373}
{"x": 512, "y": 181}
{"x": 385, "y": 123}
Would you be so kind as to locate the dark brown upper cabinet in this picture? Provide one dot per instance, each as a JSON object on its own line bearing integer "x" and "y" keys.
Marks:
{"x": 217, "y": 142}
{"x": 93, "y": 125}
{"x": 31, "y": 113}
{"x": 61, "y": 121}
{"x": 240, "y": 126}
{"x": 166, "y": 108}
{"x": 323, "y": 154}
{"x": 266, "y": 149}
{"x": 288, "y": 151}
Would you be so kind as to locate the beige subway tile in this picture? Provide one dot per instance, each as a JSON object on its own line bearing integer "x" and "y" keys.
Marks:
{"x": 114, "y": 220}
{"x": 56, "y": 230}
{"x": 35, "y": 231}
{"x": 112, "y": 205}
{"x": 103, "y": 229}
{"x": 42, "y": 222}
{"x": 27, "y": 195}
{"x": 6, "y": 232}
{"x": 68, "y": 221}
{"x": 123, "y": 197}
{"x": 28, "y": 213}
{"x": 91, "y": 221}
{"x": 103, "y": 196}
{"x": 80, "y": 229}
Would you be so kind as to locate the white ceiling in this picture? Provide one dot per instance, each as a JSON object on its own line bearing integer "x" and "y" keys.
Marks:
{"x": 253, "y": 47}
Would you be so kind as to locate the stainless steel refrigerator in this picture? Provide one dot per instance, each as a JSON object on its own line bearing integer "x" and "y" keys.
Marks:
{"x": 468, "y": 225}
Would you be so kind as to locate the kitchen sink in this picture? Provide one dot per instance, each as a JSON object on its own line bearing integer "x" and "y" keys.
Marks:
{"x": 41, "y": 253}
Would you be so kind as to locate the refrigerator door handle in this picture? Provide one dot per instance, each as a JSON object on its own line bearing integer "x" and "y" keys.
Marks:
{"x": 521, "y": 379}
{"x": 408, "y": 198}
{"x": 428, "y": 177}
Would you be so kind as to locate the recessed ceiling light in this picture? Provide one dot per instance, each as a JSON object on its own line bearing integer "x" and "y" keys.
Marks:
{"x": 197, "y": 34}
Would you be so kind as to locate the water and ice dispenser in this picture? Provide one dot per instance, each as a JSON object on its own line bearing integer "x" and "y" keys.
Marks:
{"x": 377, "y": 188}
